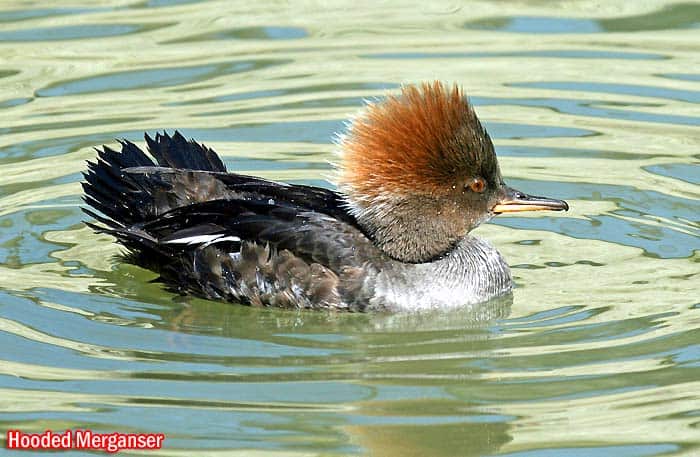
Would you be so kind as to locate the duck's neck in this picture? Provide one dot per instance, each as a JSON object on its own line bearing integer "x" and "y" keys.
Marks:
{"x": 419, "y": 229}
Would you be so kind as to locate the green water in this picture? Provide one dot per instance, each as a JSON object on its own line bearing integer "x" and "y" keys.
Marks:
{"x": 595, "y": 102}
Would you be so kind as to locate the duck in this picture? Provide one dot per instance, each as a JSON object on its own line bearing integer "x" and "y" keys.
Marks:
{"x": 416, "y": 172}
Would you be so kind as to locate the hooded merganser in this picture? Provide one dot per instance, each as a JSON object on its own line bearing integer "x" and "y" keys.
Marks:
{"x": 417, "y": 173}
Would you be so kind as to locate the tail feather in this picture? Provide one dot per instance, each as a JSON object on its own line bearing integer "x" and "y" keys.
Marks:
{"x": 129, "y": 156}
{"x": 126, "y": 199}
{"x": 105, "y": 186}
{"x": 141, "y": 248}
{"x": 109, "y": 223}
{"x": 177, "y": 152}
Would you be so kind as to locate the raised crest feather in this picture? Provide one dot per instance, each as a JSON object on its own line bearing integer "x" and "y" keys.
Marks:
{"x": 415, "y": 142}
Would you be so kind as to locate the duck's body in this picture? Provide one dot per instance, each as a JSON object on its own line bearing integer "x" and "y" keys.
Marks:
{"x": 377, "y": 244}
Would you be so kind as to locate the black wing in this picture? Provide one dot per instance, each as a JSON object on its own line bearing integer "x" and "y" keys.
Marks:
{"x": 192, "y": 185}
{"x": 259, "y": 253}
{"x": 314, "y": 237}
{"x": 129, "y": 188}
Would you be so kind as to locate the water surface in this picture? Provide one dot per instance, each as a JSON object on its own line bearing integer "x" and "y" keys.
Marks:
{"x": 596, "y": 354}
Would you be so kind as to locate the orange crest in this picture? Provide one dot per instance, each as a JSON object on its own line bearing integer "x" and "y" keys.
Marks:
{"x": 422, "y": 141}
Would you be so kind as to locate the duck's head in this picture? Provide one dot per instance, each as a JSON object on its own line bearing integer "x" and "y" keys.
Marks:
{"x": 419, "y": 172}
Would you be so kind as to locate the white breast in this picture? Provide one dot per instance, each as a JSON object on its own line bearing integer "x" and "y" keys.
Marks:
{"x": 472, "y": 273}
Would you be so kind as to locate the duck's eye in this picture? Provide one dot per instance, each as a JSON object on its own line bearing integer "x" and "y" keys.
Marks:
{"x": 477, "y": 185}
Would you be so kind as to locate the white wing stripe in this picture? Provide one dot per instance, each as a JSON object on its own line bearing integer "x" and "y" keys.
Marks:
{"x": 200, "y": 239}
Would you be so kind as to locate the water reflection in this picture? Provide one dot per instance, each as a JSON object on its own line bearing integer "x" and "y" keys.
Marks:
{"x": 247, "y": 33}
{"x": 600, "y": 334}
{"x": 677, "y": 16}
{"x": 151, "y": 78}
{"x": 76, "y": 32}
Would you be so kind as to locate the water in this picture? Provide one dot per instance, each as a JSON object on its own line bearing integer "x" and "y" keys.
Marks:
{"x": 594, "y": 102}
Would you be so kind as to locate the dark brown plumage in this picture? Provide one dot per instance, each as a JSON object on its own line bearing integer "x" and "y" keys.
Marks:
{"x": 295, "y": 245}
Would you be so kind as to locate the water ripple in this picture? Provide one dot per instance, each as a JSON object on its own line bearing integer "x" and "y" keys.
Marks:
{"x": 596, "y": 104}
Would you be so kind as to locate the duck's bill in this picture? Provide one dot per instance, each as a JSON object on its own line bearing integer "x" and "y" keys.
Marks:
{"x": 515, "y": 201}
